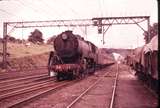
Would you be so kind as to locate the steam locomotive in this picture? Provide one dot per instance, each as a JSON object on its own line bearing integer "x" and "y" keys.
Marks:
{"x": 73, "y": 57}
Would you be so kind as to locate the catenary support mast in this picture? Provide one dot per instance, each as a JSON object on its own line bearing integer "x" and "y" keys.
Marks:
{"x": 102, "y": 24}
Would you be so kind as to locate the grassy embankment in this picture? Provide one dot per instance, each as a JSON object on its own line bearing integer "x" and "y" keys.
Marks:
{"x": 24, "y": 57}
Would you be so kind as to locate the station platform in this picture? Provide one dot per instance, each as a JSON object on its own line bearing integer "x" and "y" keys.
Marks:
{"x": 131, "y": 92}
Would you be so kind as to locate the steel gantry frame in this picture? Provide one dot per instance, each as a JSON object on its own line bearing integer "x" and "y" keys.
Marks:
{"x": 102, "y": 24}
{"x": 109, "y": 21}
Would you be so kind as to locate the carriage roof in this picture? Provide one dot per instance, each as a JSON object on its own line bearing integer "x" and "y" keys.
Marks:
{"x": 152, "y": 45}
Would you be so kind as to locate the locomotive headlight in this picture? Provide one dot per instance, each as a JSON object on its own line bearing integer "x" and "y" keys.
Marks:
{"x": 52, "y": 73}
{"x": 64, "y": 36}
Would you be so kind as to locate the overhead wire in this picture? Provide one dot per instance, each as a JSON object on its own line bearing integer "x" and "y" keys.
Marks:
{"x": 103, "y": 9}
{"x": 27, "y": 6}
{"x": 75, "y": 13}
{"x": 54, "y": 11}
{"x": 100, "y": 8}
{"x": 31, "y": 6}
{"x": 10, "y": 14}
{"x": 66, "y": 5}
{"x": 4, "y": 11}
{"x": 7, "y": 12}
{"x": 35, "y": 10}
{"x": 46, "y": 9}
{"x": 50, "y": 8}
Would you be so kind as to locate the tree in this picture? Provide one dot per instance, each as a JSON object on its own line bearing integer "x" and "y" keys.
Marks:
{"x": 10, "y": 38}
{"x": 153, "y": 30}
{"x": 36, "y": 36}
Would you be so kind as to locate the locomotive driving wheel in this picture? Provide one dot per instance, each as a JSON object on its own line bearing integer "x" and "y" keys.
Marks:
{"x": 83, "y": 70}
{"x": 75, "y": 73}
{"x": 50, "y": 63}
{"x": 59, "y": 76}
{"x": 53, "y": 60}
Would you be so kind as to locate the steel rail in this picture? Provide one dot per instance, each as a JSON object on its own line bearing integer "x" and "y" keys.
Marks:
{"x": 16, "y": 69}
{"x": 22, "y": 69}
{"x": 22, "y": 85}
{"x": 24, "y": 101}
{"x": 22, "y": 78}
{"x": 23, "y": 82}
{"x": 114, "y": 87}
{"x": 25, "y": 90}
{"x": 75, "y": 100}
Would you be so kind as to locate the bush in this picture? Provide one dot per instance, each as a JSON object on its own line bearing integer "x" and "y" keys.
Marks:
{"x": 153, "y": 30}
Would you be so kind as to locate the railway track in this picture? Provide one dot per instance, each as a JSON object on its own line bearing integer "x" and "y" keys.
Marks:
{"x": 22, "y": 85}
{"x": 35, "y": 91}
{"x": 25, "y": 96}
{"x": 76, "y": 100}
{"x": 18, "y": 73}
{"x": 43, "y": 93}
{"x": 73, "y": 99}
{"x": 114, "y": 88}
{"x": 18, "y": 86}
{"x": 10, "y": 82}
{"x": 13, "y": 86}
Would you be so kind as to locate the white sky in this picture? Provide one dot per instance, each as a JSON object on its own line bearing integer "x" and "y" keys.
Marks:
{"x": 120, "y": 36}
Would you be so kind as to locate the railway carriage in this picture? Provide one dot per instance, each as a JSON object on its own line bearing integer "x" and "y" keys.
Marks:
{"x": 104, "y": 59}
{"x": 149, "y": 63}
{"x": 145, "y": 63}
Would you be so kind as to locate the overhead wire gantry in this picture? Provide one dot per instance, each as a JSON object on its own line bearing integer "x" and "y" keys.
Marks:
{"x": 102, "y": 24}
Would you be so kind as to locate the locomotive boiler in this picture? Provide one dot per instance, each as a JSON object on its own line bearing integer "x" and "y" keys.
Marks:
{"x": 73, "y": 56}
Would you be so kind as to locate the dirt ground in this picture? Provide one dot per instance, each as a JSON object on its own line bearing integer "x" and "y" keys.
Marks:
{"x": 131, "y": 93}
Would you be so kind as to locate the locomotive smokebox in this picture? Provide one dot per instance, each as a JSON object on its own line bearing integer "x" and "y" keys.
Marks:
{"x": 66, "y": 45}
{"x": 71, "y": 48}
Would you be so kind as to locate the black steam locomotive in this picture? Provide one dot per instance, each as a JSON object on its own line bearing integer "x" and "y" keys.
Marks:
{"x": 73, "y": 57}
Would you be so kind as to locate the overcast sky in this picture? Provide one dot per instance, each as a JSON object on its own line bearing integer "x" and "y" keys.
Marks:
{"x": 129, "y": 36}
